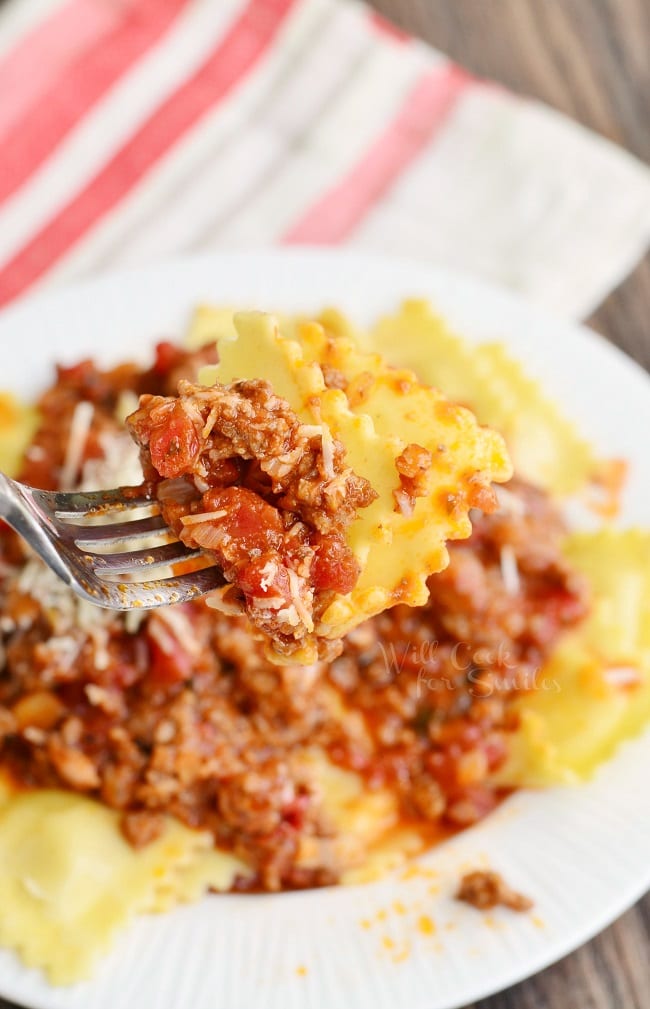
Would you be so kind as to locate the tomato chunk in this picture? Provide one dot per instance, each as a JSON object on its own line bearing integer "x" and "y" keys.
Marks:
{"x": 169, "y": 661}
{"x": 264, "y": 577}
{"x": 168, "y": 355}
{"x": 174, "y": 443}
{"x": 335, "y": 567}
{"x": 252, "y": 525}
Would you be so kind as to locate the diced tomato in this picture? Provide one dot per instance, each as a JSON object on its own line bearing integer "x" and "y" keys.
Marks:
{"x": 169, "y": 664}
{"x": 443, "y": 765}
{"x": 253, "y": 524}
{"x": 471, "y": 804}
{"x": 76, "y": 374}
{"x": 560, "y": 606}
{"x": 334, "y": 567}
{"x": 174, "y": 444}
{"x": 167, "y": 357}
{"x": 553, "y": 608}
{"x": 496, "y": 751}
{"x": 255, "y": 579}
{"x": 97, "y": 725}
{"x": 223, "y": 472}
{"x": 461, "y": 732}
{"x": 294, "y": 814}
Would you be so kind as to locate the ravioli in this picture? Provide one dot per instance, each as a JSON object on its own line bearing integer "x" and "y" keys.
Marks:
{"x": 544, "y": 446}
{"x": 208, "y": 325}
{"x": 595, "y": 691}
{"x": 69, "y": 882}
{"x": 17, "y": 426}
{"x": 379, "y": 414}
{"x": 208, "y": 870}
{"x": 371, "y": 840}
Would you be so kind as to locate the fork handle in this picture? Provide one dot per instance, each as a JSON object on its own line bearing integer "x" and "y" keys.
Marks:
{"x": 10, "y": 503}
{"x": 17, "y": 510}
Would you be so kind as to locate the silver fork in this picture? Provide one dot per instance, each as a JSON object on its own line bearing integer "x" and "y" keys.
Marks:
{"x": 100, "y": 561}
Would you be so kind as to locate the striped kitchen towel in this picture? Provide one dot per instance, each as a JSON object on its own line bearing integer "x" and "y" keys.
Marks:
{"x": 132, "y": 130}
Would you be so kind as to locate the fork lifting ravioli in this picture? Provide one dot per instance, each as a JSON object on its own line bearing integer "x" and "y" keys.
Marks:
{"x": 324, "y": 483}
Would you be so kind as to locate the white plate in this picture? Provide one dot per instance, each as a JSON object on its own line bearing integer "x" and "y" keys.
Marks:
{"x": 582, "y": 854}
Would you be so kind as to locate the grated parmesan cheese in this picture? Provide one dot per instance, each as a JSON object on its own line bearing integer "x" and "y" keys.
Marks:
{"x": 510, "y": 571}
{"x": 289, "y": 615}
{"x": 101, "y": 657}
{"x": 328, "y": 452}
{"x": 127, "y": 403}
{"x": 509, "y": 502}
{"x": 95, "y": 694}
{"x": 218, "y": 600}
{"x": 119, "y": 465}
{"x": 133, "y": 620}
{"x": 201, "y": 485}
{"x": 195, "y": 520}
{"x": 177, "y": 622}
{"x": 268, "y": 573}
{"x": 34, "y": 735}
{"x": 302, "y": 611}
{"x": 210, "y": 422}
{"x": 159, "y": 633}
{"x": 622, "y": 676}
{"x": 80, "y": 425}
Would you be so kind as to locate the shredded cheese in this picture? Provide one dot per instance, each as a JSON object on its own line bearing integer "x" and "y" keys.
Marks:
{"x": 509, "y": 570}
{"x": 622, "y": 676}
{"x": 177, "y": 622}
{"x": 268, "y": 573}
{"x": 328, "y": 452}
{"x": 80, "y": 426}
{"x": 509, "y": 502}
{"x": 210, "y": 422}
{"x": 302, "y": 611}
{"x": 118, "y": 466}
{"x": 195, "y": 520}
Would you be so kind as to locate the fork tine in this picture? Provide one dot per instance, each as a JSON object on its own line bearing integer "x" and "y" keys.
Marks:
{"x": 76, "y": 503}
{"x": 165, "y": 592}
{"x": 119, "y": 532}
{"x": 73, "y": 550}
{"x": 139, "y": 560}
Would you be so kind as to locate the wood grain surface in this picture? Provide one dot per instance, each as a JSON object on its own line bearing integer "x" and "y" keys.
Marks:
{"x": 588, "y": 58}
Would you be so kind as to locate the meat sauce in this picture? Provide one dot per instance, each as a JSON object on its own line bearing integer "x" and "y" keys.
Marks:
{"x": 241, "y": 478}
{"x": 178, "y": 711}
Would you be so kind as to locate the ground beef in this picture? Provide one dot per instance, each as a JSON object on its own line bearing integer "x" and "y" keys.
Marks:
{"x": 484, "y": 889}
{"x": 434, "y": 683}
{"x": 241, "y": 478}
{"x": 109, "y": 393}
{"x": 413, "y": 466}
{"x": 179, "y": 712}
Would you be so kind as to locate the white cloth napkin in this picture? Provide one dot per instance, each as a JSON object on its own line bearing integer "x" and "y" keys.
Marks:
{"x": 133, "y": 130}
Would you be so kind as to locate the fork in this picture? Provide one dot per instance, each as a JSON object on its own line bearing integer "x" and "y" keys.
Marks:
{"x": 100, "y": 561}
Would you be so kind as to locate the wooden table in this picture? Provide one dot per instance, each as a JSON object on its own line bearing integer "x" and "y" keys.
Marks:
{"x": 589, "y": 59}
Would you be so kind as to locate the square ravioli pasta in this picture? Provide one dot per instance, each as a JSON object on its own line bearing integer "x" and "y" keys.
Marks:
{"x": 150, "y": 757}
{"x": 324, "y": 483}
